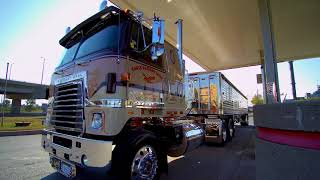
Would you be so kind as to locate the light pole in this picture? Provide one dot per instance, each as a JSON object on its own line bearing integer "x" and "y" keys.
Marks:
{"x": 10, "y": 71}
{"x": 4, "y": 95}
{"x": 44, "y": 60}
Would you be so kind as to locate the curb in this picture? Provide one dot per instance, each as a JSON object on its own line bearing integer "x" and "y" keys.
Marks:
{"x": 19, "y": 133}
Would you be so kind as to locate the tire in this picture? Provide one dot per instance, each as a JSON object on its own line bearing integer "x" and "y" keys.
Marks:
{"x": 224, "y": 137}
{"x": 79, "y": 169}
{"x": 232, "y": 129}
{"x": 146, "y": 162}
{"x": 137, "y": 159}
{"x": 243, "y": 123}
{"x": 244, "y": 120}
{"x": 227, "y": 129}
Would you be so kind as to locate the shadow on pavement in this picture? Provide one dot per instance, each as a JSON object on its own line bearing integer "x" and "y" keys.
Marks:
{"x": 236, "y": 160}
{"x": 90, "y": 173}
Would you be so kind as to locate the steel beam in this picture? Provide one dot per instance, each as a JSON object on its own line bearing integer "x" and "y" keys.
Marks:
{"x": 271, "y": 82}
{"x": 293, "y": 81}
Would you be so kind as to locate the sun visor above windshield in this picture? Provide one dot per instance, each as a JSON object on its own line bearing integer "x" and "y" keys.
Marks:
{"x": 77, "y": 32}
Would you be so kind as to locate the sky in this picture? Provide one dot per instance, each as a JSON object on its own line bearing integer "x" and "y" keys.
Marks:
{"x": 31, "y": 30}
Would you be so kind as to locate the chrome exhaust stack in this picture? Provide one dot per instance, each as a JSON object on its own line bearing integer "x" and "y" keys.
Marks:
{"x": 179, "y": 45}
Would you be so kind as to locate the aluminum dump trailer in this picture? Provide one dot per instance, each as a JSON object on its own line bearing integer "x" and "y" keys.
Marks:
{"x": 211, "y": 93}
{"x": 217, "y": 103}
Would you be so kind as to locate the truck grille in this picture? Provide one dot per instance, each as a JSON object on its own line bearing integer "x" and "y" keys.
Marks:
{"x": 67, "y": 115}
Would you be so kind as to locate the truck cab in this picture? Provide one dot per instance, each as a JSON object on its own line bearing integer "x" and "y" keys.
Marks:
{"x": 113, "y": 100}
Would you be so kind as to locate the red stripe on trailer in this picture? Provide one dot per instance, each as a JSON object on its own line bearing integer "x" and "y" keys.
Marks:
{"x": 302, "y": 139}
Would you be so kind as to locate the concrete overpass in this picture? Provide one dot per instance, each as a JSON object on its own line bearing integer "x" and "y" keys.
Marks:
{"x": 17, "y": 90}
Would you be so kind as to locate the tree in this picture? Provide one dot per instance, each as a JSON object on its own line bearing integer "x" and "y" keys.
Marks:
{"x": 30, "y": 105}
{"x": 6, "y": 103}
{"x": 257, "y": 99}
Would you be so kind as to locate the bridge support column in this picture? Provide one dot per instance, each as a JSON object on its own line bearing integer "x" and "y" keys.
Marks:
{"x": 16, "y": 106}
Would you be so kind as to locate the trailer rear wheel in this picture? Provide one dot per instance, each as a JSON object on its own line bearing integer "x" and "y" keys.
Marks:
{"x": 244, "y": 120}
{"x": 224, "y": 134}
{"x": 228, "y": 130}
{"x": 232, "y": 129}
{"x": 244, "y": 124}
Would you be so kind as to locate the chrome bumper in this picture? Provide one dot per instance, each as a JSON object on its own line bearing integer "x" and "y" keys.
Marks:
{"x": 98, "y": 152}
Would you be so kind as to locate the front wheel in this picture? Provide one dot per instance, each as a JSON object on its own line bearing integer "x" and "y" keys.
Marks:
{"x": 137, "y": 157}
{"x": 145, "y": 163}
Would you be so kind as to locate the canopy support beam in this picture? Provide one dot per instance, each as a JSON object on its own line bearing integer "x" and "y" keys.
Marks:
{"x": 270, "y": 72}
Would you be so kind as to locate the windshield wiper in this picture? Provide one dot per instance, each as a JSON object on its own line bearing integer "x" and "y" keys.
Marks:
{"x": 74, "y": 39}
{"x": 80, "y": 43}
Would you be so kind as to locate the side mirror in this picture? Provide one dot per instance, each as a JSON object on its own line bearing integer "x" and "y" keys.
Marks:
{"x": 157, "y": 48}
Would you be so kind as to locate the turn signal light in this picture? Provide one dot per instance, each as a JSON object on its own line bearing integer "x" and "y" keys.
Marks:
{"x": 125, "y": 77}
{"x": 127, "y": 11}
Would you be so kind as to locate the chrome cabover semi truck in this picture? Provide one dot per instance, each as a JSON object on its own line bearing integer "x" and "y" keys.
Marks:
{"x": 217, "y": 103}
{"x": 117, "y": 98}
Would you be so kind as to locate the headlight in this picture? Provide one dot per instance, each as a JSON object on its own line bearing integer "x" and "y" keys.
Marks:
{"x": 96, "y": 121}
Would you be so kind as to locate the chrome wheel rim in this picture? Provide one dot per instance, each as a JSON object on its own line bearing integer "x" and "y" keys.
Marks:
{"x": 144, "y": 164}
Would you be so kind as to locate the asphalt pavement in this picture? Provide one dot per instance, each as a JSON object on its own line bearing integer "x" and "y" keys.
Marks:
{"x": 21, "y": 157}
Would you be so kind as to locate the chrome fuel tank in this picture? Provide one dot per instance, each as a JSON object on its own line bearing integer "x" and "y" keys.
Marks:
{"x": 191, "y": 136}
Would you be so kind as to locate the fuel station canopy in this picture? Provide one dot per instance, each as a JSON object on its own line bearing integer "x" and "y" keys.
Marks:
{"x": 224, "y": 34}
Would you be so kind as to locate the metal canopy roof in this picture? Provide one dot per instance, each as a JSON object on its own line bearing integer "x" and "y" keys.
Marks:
{"x": 224, "y": 34}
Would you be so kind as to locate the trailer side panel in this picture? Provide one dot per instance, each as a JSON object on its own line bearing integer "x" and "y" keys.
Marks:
{"x": 213, "y": 93}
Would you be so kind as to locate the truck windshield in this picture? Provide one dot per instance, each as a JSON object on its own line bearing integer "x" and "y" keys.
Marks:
{"x": 105, "y": 39}
{"x": 69, "y": 54}
{"x": 101, "y": 36}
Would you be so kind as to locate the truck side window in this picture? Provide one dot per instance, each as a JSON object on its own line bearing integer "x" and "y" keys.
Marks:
{"x": 136, "y": 43}
{"x": 135, "y": 34}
